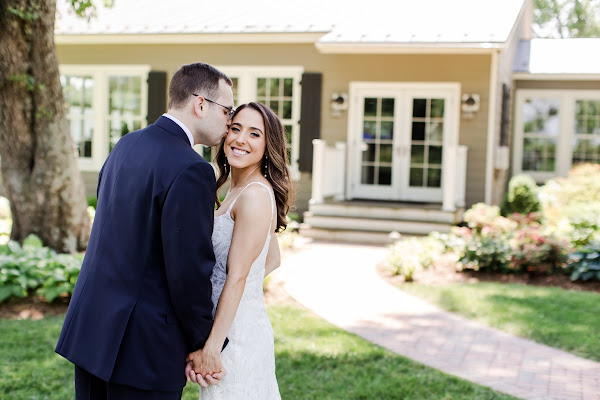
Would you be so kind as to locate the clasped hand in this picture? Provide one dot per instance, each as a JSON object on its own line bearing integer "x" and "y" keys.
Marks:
{"x": 204, "y": 367}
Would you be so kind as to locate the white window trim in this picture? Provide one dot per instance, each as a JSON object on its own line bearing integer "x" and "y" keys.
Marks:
{"x": 247, "y": 76}
{"x": 100, "y": 74}
{"x": 566, "y": 117}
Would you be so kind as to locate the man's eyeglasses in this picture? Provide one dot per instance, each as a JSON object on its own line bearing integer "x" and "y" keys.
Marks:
{"x": 231, "y": 110}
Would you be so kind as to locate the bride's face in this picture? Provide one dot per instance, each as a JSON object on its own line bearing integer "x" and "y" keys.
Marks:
{"x": 245, "y": 142}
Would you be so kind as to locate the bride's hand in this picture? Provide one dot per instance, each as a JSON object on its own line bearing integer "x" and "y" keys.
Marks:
{"x": 206, "y": 366}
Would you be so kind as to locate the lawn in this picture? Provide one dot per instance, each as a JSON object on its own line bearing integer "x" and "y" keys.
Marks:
{"x": 565, "y": 319}
{"x": 315, "y": 360}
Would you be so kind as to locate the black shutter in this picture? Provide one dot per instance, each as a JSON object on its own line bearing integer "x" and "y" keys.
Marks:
{"x": 505, "y": 117}
{"x": 157, "y": 95}
{"x": 310, "y": 118}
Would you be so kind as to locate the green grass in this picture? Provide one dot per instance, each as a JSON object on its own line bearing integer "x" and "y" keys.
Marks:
{"x": 565, "y": 319}
{"x": 315, "y": 360}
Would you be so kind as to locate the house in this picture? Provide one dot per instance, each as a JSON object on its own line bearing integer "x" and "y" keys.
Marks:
{"x": 399, "y": 114}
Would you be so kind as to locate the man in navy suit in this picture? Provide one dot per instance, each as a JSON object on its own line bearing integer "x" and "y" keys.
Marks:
{"x": 142, "y": 302}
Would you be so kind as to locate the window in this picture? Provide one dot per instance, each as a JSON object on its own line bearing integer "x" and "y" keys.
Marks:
{"x": 103, "y": 103}
{"x": 279, "y": 89}
{"x": 555, "y": 130}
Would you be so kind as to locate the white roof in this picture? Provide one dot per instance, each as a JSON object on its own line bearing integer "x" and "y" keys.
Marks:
{"x": 441, "y": 22}
{"x": 558, "y": 56}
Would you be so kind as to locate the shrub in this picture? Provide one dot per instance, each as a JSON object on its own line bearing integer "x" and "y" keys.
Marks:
{"x": 34, "y": 269}
{"x": 585, "y": 263}
{"x": 403, "y": 258}
{"x": 92, "y": 201}
{"x": 521, "y": 196}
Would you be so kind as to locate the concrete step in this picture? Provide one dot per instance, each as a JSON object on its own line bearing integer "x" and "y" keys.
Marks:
{"x": 346, "y": 236}
{"x": 384, "y": 226}
{"x": 388, "y": 212}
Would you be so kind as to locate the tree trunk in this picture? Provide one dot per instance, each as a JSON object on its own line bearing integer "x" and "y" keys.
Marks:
{"x": 39, "y": 166}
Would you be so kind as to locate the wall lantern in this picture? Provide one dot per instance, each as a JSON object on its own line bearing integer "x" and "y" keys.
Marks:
{"x": 469, "y": 104}
{"x": 339, "y": 103}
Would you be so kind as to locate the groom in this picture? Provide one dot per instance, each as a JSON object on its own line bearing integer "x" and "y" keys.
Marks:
{"x": 142, "y": 302}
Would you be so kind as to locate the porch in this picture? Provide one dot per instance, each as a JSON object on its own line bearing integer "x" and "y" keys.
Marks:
{"x": 334, "y": 215}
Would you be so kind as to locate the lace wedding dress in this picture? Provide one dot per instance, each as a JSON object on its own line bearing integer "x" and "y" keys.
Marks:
{"x": 249, "y": 358}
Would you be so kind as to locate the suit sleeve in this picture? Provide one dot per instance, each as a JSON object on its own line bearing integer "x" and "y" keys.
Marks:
{"x": 186, "y": 229}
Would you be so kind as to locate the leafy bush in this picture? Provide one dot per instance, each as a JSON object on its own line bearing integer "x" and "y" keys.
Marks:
{"x": 34, "y": 269}
{"x": 521, "y": 197}
{"x": 585, "y": 263}
{"x": 514, "y": 244}
{"x": 410, "y": 255}
{"x": 92, "y": 201}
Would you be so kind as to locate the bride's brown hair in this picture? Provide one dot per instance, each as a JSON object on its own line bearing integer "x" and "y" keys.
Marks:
{"x": 274, "y": 164}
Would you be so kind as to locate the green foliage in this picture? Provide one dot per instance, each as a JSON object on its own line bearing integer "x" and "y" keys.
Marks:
{"x": 585, "y": 263}
{"x": 521, "y": 197}
{"x": 33, "y": 269}
{"x": 567, "y": 18}
{"x": 515, "y": 244}
{"x": 412, "y": 254}
{"x": 86, "y": 8}
{"x": 92, "y": 201}
{"x": 26, "y": 14}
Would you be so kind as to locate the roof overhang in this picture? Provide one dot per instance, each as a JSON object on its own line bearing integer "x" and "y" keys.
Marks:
{"x": 189, "y": 38}
{"x": 408, "y": 48}
{"x": 525, "y": 76}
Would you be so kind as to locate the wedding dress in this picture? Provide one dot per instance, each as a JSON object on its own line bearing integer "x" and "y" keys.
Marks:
{"x": 249, "y": 358}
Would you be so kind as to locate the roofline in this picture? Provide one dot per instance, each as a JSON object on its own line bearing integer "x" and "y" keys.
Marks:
{"x": 526, "y": 76}
{"x": 190, "y": 38}
{"x": 408, "y": 48}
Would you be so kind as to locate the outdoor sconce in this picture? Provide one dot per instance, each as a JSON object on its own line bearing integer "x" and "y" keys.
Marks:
{"x": 469, "y": 104}
{"x": 339, "y": 103}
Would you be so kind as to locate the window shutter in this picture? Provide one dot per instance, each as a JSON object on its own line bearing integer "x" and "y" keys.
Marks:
{"x": 157, "y": 95}
{"x": 310, "y": 118}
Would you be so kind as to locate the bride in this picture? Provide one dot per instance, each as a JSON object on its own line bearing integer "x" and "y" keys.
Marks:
{"x": 246, "y": 250}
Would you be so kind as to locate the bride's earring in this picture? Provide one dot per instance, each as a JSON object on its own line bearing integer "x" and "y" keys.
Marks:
{"x": 266, "y": 164}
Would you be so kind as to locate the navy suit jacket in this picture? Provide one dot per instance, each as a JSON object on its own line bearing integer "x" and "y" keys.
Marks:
{"x": 142, "y": 301}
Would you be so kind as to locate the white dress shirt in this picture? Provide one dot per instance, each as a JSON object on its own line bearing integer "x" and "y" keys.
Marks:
{"x": 185, "y": 128}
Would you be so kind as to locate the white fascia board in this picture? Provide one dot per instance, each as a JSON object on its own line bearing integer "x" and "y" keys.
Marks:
{"x": 525, "y": 76}
{"x": 197, "y": 38}
{"x": 408, "y": 48}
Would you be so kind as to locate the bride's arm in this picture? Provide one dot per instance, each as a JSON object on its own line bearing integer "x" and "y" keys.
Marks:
{"x": 273, "y": 256}
{"x": 249, "y": 236}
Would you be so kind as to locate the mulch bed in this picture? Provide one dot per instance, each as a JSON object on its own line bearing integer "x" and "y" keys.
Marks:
{"x": 33, "y": 308}
{"x": 445, "y": 272}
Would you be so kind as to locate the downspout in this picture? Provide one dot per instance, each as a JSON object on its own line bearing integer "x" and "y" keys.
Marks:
{"x": 491, "y": 129}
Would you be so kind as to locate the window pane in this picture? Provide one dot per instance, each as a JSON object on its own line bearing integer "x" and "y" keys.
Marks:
{"x": 387, "y": 130}
{"x": 288, "y": 87}
{"x": 78, "y": 93}
{"x": 385, "y": 176}
{"x": 287, "y": 110}
{"x": 369, "y": 154}
{"x": 288, "y": 140}
{"x": 541, "y": 116}
{"x": 416, "y": 177}
{"x": 385, "y": 153}
{"x": 541, "y": 129}
{"x": 274, "y": 86}
{"x": 367, "y": 175}
{"x": 387, "y": 107}
{"x": 124, "y": 100}
{"x": 539, "y": 154}
{"x": 434, "y": 177}
{"x": 437, "y": 108}
{"x": 435, "y": 155}
{"x": 418, "y": 131}
{"x": 436, "y": 131}
{"x": 369, "y": 129}
{"x": 417, "y": 154}
{"x": 370, "y": 107}
{"x": 419, "y": 107}
{"x": 261, "y": 85}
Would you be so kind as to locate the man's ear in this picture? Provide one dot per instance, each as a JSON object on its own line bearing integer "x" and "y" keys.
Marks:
{"x": 198, "y": 106}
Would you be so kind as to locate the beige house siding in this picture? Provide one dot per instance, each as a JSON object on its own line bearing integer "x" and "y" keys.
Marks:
{"x": 471, "y": 71}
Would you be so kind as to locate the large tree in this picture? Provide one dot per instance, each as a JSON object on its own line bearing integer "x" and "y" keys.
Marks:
{"x": 567, "y": 18}
{"x": 39, "y": 166}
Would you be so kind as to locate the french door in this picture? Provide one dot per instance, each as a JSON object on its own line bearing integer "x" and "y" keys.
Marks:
{"x": 397, "y": 136}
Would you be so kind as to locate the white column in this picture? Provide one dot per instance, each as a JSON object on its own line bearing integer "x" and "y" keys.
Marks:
{"x": 449, "y": 179}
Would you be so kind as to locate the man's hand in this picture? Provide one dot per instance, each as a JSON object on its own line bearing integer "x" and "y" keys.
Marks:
{"x": 204, "y": 367}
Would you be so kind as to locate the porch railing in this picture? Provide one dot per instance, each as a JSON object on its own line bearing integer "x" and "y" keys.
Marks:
{"x": 328, "y": 174}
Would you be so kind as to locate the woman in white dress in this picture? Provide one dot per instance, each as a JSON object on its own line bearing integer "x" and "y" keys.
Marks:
{"x": 246, "y": 250}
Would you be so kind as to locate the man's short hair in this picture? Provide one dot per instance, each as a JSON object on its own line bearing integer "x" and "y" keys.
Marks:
{"x": 198, "y": 78}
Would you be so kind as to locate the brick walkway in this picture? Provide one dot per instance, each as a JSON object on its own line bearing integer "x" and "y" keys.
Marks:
{"x": 339, "y": 283}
